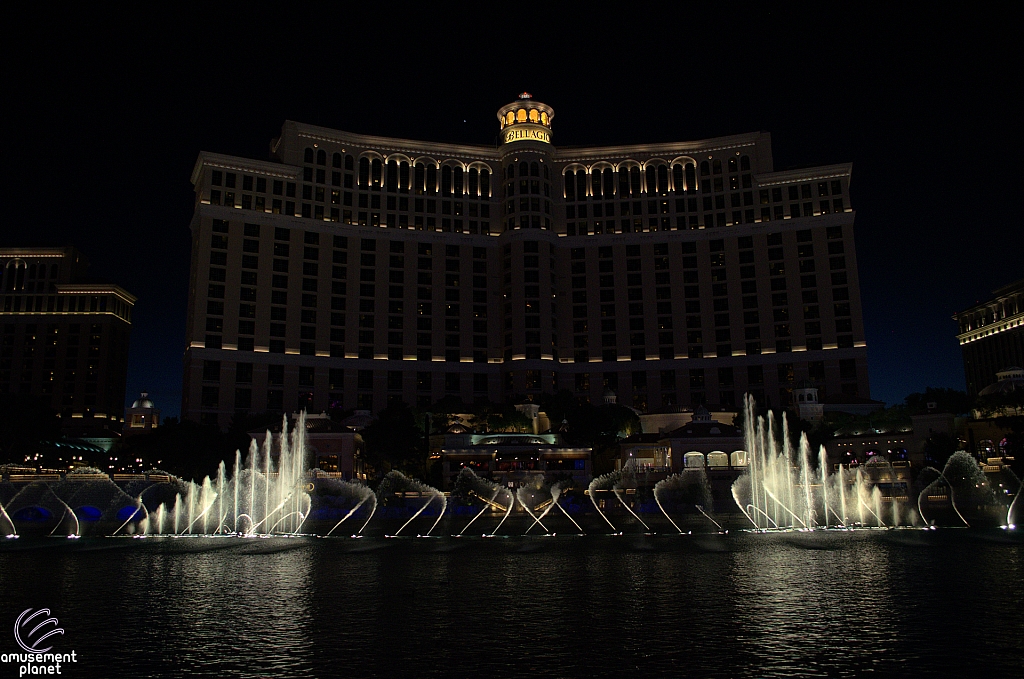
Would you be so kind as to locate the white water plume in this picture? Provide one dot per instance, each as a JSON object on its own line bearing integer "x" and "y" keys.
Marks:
{"x": 781, "y": 488}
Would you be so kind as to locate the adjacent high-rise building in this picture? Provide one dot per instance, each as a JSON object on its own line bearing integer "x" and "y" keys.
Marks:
{"x": 991, "y": 336}
{"x": 62, "y": 337}
{"x": 350, "y": 271}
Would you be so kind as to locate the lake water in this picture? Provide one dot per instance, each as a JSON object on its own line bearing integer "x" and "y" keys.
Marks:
{"x": 832, "y": 604}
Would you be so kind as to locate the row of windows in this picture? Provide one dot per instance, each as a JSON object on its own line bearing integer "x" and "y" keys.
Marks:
{"x": 523, "y": 115}
{"x": 339, "y": 242}
{"x": 19, "y": 275}
{"x": 628, "y": 182}
{"x": 366, "y": 217}
{"x": 365, "y": 399}
{"x": 684, "y": 222}
{"x": 698, "y": 378}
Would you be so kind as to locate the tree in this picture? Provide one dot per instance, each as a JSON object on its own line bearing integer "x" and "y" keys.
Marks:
{"x": 938, "y": 449}
{"x": 186, "y": 449}
{"x": 945, "y": 400}
{"x": 24, "y": 422}
{"x": 1001, "y": 404}
{"x": 395, "y": 441}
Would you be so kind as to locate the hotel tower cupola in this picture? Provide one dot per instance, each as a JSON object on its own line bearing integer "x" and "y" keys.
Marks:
{"x": 526, "y": 120}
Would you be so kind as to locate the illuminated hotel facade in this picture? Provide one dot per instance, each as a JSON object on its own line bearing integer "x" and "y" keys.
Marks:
{"x": 991, "y": 336}
{"x": 62, "y": 338}
{"x": 352, "y": 271}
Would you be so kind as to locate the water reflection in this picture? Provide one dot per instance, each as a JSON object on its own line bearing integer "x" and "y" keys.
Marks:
{"x": 821, "y": 604}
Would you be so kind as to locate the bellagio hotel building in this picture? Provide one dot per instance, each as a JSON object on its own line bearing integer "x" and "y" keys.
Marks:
{"x": 352, "y": 271}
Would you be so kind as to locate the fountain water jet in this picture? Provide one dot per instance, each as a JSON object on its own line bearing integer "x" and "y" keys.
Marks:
{"x": 781, "y": 488}
{"x": 395, "y": 479}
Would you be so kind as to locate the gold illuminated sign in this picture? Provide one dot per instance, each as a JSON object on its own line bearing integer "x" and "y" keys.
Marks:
{"x": 527, "y": 133}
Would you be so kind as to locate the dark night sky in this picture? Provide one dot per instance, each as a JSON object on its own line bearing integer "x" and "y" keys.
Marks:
{"x": 105, "y": 115}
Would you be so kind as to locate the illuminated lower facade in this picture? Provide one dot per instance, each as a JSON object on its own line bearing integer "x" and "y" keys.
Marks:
{"x": 61, "y": 339}
{"x": 353, "y": 271}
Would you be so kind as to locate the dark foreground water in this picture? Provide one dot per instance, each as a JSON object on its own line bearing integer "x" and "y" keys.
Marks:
{"x": 906, "y": 603}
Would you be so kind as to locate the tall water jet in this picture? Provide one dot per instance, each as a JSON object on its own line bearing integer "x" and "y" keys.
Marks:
{"x": 6, "y": 525}
{"x": 259, "y": 496}
{"x": 782, "y": 488}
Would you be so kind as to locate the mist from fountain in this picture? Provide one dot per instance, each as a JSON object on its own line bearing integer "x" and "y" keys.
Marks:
{"x": 85, "y": 500}
{"x": 395, "y": 482}
{"x": 616, "y": 482}
{"x": 528, "y": 495}
{"x": 970, "y": 490}
{"x": 688, "y": 488}
{"x": 932, "y": 487}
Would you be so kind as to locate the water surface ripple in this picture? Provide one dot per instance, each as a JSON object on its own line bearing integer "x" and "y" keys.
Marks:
{"x": 823, "y": 604}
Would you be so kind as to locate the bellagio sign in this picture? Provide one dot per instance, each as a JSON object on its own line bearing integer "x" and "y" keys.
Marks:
{"x": 526, "y": 133}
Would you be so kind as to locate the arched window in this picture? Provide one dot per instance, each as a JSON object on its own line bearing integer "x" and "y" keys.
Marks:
{"x": 446, "y": 181}
{"x": 535, "y": 169}
{"x": 485, "y": 183}
{"x": 744, "y": 163}
{"x": 732, "y": 164}
{"x": 375, "y": 171}
{"x": 581, "y": 185}
{"x": 534, "y": 116}
{"x": 349, "y": 163}
{"x": 716, "y": 166}
{"x": 457, "y": 187}
{"x": 662, "y": 180}
{"x": 510, "y": 118}
{"x": 308, "y": 155}
{"x": 543, "y": 117}
{"x": 691, "y": 177}
{"x": 524, "y": 169}
{"x": 431, "y": 179}
{"x": 364, "y": 172}
{"x": 521, "y": 115}
{"x": 623, "y": 182}
{"x": 321, "y": 157}
{"x": 652, "y": 180}
{"x": 15, "y": 275}
{"x": 634, "y": 181}
{"x": 595, "y": 184}
{"x": 473, "y": 181}
{"x": 418, "y": 178}
{"x": 510, "y": 172}
{"x": 678, "y": 180}
{"x": 570, "y": 185}
{"x": 609, "y": 182}
{"x": 403, "y": 176}
{"x": 392, "y": 177}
